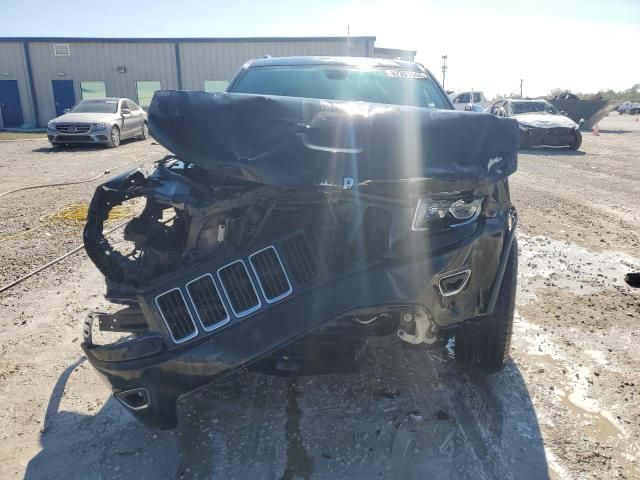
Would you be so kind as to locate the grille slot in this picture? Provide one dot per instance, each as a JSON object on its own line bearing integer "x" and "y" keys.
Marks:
{"x": 271, "y": 275}
{"x": 73, "y": 128}
{"x": 338, "y": 253}
{"x": 176, "y": 315}
{"x": 297, "y": 254}
{"x": 206, "y": 299}
{"x": 239, "y": 289}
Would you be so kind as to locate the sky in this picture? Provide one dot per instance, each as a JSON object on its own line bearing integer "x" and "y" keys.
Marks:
{"x": 580, "y": 45}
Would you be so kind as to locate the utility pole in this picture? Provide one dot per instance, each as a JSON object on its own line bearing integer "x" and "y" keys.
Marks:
{"x": 521, "y": 89}
{"x": 444, "y": 68}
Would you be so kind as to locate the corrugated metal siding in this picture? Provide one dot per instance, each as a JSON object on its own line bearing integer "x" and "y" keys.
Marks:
{"x": 219, "y": 61}
{"x": 99, "y": 61}
{"x": 12, "y": 61}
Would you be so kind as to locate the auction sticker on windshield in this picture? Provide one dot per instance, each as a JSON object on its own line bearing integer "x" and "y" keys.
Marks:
{"x": 405, "y": 74}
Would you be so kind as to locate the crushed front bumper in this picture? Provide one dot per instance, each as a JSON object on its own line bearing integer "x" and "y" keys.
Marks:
{"x": 149, "y": 372}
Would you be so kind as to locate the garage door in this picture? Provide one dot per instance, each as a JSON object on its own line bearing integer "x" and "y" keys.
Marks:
{"x": 10, "y": 108}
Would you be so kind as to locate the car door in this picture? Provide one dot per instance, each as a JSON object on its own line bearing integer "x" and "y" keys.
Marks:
{"x": 127, "y": 128}
{"x": 137, "y": 116}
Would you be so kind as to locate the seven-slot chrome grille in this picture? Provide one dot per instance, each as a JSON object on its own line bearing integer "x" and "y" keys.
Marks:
{"x": 211, "y": 298}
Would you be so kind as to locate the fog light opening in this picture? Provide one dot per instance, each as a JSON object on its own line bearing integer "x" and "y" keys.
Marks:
{"x": 137, "y": 399}
{"x": 454, "y": 283}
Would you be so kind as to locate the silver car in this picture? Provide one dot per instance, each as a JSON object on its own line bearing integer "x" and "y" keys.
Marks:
{"x": 104, "y": 121}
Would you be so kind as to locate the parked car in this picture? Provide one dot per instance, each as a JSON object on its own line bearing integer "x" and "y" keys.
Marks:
{"x": 104, "y": 121}
{"x": 462, "y": 100}
{"x": 318, "y": 202}
{"x": 630, "y": 108}
{"x": 541, "y": 124}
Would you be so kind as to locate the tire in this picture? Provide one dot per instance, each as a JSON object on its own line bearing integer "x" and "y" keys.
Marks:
{"x": 483, "y": 344}
{"x": 577, "y": 141}
{"x": 114, "y": 137}
{"x": 144, "y": 133}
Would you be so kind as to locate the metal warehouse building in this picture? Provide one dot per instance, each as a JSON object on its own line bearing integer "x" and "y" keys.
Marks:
{"x": 41, "y": 77}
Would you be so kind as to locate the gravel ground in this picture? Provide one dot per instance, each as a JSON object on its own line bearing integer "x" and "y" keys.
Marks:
{"x": 566, "y": 406}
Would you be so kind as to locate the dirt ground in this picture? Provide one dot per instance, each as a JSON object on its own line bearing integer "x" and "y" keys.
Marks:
{"x": 567, "y": 406}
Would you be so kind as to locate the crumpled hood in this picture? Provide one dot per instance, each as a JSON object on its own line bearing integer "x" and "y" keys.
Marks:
{"x": 85, "y": 117}
{"x": 311, "y": 143}
{"x": 545, "y": 120}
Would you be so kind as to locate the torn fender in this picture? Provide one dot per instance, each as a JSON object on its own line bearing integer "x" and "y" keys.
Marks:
{"x": 309, "y": 143}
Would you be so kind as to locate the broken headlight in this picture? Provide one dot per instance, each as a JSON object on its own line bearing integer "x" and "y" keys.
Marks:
{"x": 451, "y": 213}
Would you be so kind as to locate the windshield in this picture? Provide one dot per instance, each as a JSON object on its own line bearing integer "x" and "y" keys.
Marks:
{"x": 532, "y": 107}
{"x": 96, "y": 106}
{"x": 396, "y": 87}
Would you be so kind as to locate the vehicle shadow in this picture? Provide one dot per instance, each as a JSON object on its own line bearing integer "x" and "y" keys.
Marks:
{"x": 80, "y": 147}
{"x": 616, "y": 132}
{"x": 404, "y": 413}
{"x": 546, "y": 151}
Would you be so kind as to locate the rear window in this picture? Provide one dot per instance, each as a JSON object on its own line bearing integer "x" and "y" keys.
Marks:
{"x": 396, "y": 87}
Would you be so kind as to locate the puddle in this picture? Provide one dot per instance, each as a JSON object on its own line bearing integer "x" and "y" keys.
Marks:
{"x": 598, "y": 424}
{"x": 548, "y": 262}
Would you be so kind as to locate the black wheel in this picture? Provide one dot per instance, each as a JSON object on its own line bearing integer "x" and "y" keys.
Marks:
{"x": 114, "y": 137}
{"x": 144, "y": 132}
{"x": 577, "y": 141}
{"x": 484, "y": 344}
{"x": 525, "y": 141}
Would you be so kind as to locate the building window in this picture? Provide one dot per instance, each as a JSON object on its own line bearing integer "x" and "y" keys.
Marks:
{"x": 146, "y": 91}
{"x": 92, "y": 90}
{"x": 61, "y": 50}
{"x": 215, "y": 85}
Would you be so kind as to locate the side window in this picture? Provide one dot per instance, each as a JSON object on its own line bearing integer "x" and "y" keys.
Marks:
{"x": 463, "y": 98}
{"x": 124, "y": 104}
{"x": 476, "y": 97}
{"x": 132, "y": 106}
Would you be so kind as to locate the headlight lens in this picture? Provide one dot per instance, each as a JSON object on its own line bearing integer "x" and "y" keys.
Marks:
{"x": 51, "y": 125}
{"x": 100, "y": 126}
{"x": 454, "y": 212}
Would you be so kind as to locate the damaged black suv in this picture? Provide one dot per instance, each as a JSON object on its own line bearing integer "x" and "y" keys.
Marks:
{"x": 317, "y": 202}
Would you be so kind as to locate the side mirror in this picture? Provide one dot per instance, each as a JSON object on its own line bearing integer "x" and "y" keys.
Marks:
{"x": 125, "y": 111}
{"x": 66, "y": 110}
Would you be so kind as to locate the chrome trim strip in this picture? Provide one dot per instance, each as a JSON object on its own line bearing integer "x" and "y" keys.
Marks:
{"x": 243, "y": 313}
{"x": 222, "y": 322}
{"x": 184, "y": 339}
{"x": 466, "y": 271}
{"x": 279, "y": 297}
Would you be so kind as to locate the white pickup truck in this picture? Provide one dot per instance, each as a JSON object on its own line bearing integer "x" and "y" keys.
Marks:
{"x": 462, "y": 100}
{"x": 631, "y": 108}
